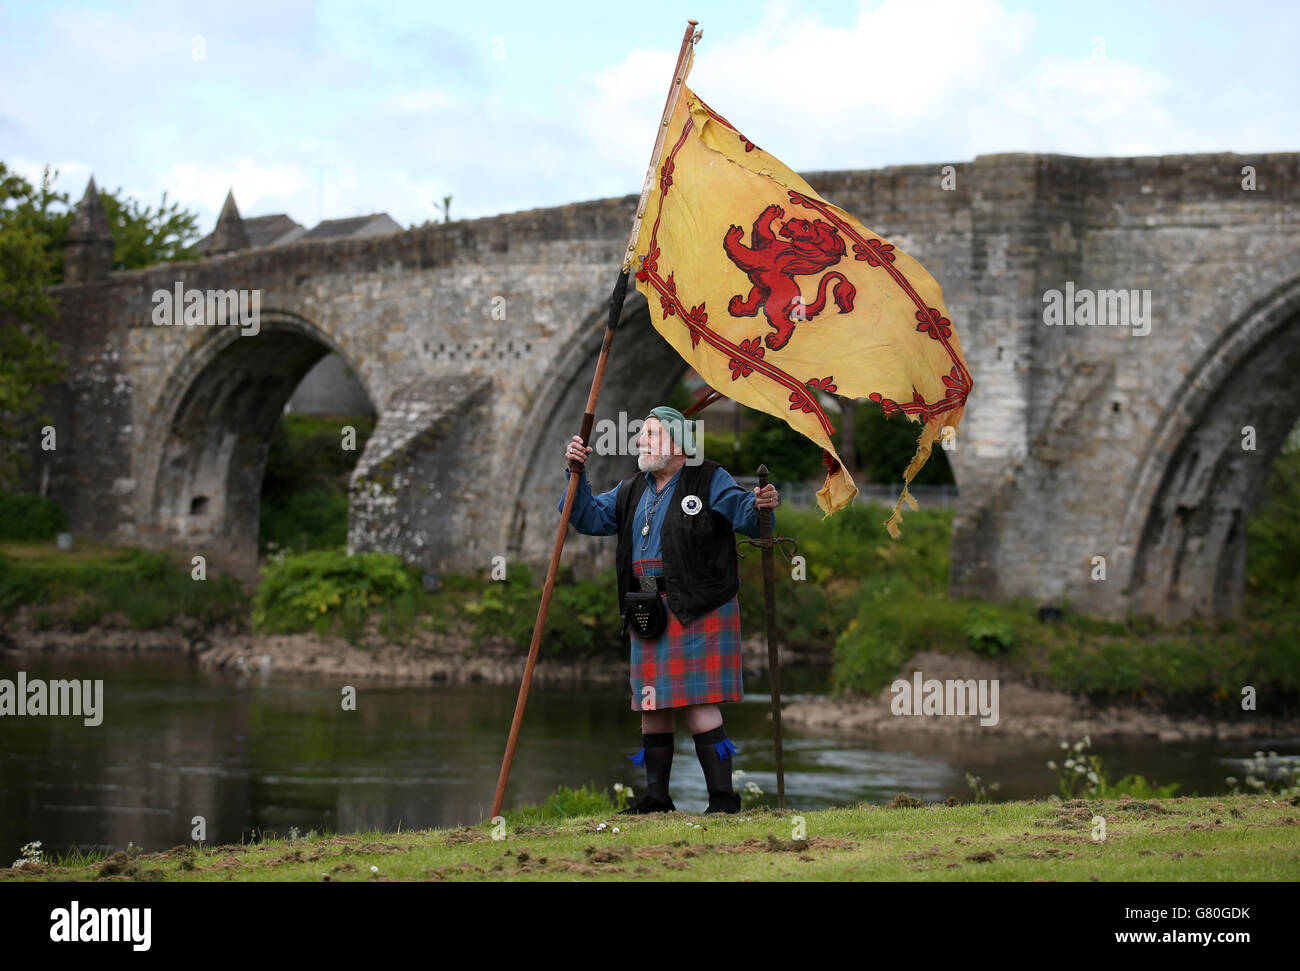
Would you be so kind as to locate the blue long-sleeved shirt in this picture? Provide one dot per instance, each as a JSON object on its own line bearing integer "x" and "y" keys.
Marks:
{"x": 595, "y": 515}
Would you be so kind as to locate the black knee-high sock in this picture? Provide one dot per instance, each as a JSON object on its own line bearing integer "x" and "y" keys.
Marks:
{"x": 657, "y": 756}
{"x": 714, "y": 749}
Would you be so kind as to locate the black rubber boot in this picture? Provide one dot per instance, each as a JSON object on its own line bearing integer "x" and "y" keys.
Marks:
{"x": 657, "y": 756}
{"x": 714, "y": 749}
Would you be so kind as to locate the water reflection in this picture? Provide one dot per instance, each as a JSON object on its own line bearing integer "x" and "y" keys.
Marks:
{"x": 267, "y": 753}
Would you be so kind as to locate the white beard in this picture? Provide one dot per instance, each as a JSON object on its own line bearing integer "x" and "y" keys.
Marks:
{"x": 651, "y": 463}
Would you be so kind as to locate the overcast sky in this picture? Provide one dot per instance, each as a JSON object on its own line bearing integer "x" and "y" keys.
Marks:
{"x": 329, "y": 109}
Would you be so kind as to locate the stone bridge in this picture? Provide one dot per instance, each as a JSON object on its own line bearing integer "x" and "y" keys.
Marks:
{"x": 476, "y": 342}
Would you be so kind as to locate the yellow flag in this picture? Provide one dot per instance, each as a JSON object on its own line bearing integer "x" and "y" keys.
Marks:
{"x": 769, "y": 291}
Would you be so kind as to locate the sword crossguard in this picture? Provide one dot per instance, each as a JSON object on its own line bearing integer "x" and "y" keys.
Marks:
{"x": 774, "y": 543}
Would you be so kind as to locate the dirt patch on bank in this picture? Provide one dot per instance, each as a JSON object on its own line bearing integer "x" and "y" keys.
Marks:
{"x": 1023, "y": 710}
{"x": 426, "y": 656}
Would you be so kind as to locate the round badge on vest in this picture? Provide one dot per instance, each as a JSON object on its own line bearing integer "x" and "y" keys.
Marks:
{"x": 691, "y": 505}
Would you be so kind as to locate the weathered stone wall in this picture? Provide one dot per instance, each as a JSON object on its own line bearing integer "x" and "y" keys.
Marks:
{"x": 476, "y": 342}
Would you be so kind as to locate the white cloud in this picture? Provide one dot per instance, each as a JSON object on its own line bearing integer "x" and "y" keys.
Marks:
{"x": 256, "y": 186}
{"x": 939, "y": 80}
{"x": 285, "y": 93}
{"x": 70, "y": 177}
{"x": 419, "y": 102}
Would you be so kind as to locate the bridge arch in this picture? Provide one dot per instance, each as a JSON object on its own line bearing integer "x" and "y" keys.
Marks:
{"x": 641, "y": 371}
{"x": 205, "y": 449}
{"x": 1193, "y": 497}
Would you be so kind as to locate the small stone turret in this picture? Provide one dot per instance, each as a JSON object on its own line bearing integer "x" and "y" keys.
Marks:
{"x": 230, "y": 234}
{"x": 88, "y": 247}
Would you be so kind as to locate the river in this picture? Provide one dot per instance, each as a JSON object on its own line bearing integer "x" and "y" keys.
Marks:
{"x": 266, "y": 753}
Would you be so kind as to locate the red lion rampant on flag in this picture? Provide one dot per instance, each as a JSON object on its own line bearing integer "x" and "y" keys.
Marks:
{"x": 772, "y": 266}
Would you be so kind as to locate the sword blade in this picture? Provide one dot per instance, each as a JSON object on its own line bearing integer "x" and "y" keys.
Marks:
{"x": 766, "y": 530}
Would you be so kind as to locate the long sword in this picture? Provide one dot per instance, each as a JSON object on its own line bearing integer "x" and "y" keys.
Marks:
{"x": 766, "y": 541}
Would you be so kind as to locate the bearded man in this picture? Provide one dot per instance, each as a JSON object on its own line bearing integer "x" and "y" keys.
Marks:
{"x": 678, "y": 579}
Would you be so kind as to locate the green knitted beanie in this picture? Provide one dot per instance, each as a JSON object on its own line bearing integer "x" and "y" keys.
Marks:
{"x": 679, "y": 429}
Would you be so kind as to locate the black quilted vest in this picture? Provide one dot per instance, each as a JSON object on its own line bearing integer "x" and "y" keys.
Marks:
{"x": 699, "y": 551}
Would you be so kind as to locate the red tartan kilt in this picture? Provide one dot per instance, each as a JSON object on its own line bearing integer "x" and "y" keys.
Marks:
{"x": 688, "y": 664}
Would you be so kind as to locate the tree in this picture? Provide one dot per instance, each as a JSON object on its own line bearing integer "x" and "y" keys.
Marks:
{"x": 1273, "y": 532}
{"x": 34, "y": 222}
{"x": 885, "y": 446}
{"x": 144, "y": 237}
{"x": 27, "y": 264}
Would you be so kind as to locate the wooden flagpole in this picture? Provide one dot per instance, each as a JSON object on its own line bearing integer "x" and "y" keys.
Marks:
{"x": 684, "y": 57}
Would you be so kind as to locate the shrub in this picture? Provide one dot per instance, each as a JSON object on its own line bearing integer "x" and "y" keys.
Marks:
{"x": 24, "y": 517}
{"x": 310, "y": 520}
{"x": 1082, "y": 773}
{"x": 581, "y": 620}
{"x": 1273, "y": 533}
{"x": 987, "y": 632}
{"x": 147, "y": 586}
{"x": 304, "y": 504}
{"x": 890, "y": 627}
{"x": 563, "y": 803}
{"x": 327, "y": 590}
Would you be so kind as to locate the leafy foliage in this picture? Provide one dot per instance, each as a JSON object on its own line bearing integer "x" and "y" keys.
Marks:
{"x": 34, "y": 223}
{"x": 1081, "y": 773}
{"x": 304, "y": 503}
{"x": 143, "y": 236}
{"x": 885, "y": 446}
{"x": 327, "y": 590}
{"x": 309, "y": 520}
{"x": 24, "y": 517}
{"x": 28, "y": 261}
{"x": 892, "y": 624}
{"x": 1273, "y": 534}
{"x": 986, "y": 631}
{"x": 788, "y": 456}
{"x": 80, "y": 589}
{"x": 581, "y": 620}
{"x": 563, "y": 803}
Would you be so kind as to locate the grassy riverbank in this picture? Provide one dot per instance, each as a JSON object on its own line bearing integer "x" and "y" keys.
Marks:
{"x": 144, "y": 589}
{"x": 1230, "y": 838}
{"x": 872, "y": 601}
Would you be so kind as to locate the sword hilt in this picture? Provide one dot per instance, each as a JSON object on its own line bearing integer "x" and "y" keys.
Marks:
{"x": 766, "y": 527}
{"x": 772, "y": 543}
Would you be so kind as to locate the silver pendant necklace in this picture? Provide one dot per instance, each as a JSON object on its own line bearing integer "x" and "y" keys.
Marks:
{"x": 645, "y": 530}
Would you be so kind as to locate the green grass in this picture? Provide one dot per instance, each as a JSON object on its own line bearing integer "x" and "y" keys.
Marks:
{"x": 1230, "y": 838}
{"x": 80, "y": 588}
{"x": 304, "y": 502}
